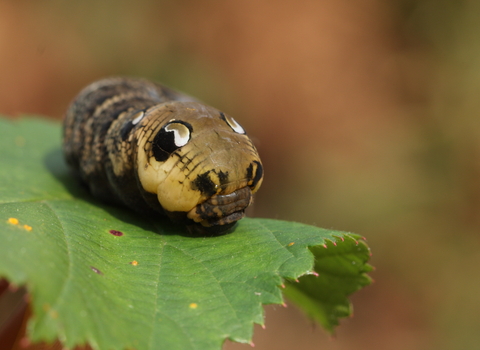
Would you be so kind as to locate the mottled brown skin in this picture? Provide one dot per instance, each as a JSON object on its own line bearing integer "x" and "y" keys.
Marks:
{"x": 143, "y": 145}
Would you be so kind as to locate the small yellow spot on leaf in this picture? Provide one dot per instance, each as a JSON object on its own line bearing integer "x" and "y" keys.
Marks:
{"x": 28, "y": 228}
{"x": 53, "y": 314}
{"x": 13, "y": 221}
{"x": 291, "y": 243}
{"x": 193, "y": 306}
{"x": 134, "y": 262}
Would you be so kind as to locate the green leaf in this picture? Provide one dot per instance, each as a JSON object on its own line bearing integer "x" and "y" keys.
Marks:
{"x": 341, "y": 269}
{"x": 108, "y": 277}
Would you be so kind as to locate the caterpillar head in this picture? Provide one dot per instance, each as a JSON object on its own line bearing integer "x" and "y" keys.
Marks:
{"x": 199, "y": 162}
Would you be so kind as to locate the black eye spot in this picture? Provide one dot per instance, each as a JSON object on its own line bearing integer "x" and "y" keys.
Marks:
{"x": 204, "y": 184}
{"x": 128, "y": 126}
{"x": 171, "y": 137}
{"x": 232, "y": 123}
{"x": 125, "y": 131}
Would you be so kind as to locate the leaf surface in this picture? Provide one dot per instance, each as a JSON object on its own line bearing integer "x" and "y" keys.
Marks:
{"x": 105, "y": 276}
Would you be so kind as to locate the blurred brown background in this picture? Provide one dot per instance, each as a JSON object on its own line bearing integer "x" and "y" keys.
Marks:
{"x": 365, "y": 114}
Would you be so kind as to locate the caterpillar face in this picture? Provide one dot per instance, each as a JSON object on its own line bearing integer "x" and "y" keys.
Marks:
{"x": 162, "y": 151}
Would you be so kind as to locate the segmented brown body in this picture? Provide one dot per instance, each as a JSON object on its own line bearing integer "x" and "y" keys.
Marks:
{"x": 155, "y": 150}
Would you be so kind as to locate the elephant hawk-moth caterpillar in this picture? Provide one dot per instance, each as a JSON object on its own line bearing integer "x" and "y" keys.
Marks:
{"x": 157, "y": 151}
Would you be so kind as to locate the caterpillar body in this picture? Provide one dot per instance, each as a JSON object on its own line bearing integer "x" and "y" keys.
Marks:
{"x": 157, "y": 151}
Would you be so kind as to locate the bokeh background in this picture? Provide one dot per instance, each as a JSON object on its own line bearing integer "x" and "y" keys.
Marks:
{"x": 366, "y": 115}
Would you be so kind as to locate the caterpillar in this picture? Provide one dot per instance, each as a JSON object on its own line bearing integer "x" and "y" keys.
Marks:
{"x": 145, "y": 146}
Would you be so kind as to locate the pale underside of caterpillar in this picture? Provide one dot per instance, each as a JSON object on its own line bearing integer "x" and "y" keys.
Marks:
{"x": 157, "y": 151}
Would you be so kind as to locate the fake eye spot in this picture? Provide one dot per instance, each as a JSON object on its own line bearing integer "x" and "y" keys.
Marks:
{"x": 172, "y": 136}
{"x": 232, "y": 123}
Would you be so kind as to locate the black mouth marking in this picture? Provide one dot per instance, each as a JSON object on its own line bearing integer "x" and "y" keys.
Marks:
{"x": 204, "y": 184}
{"x": 223, "y": 177}
{"x": 249, "y": 173}
{"x": 258, "y": 173}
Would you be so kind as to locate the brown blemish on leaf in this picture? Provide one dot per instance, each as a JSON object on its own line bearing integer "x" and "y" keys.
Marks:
{"x": 97, "y": 271}
{"x": 116, "y": 233}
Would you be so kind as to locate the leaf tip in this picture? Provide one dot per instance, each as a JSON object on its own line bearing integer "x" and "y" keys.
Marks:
{"x": 325, "y": 245}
